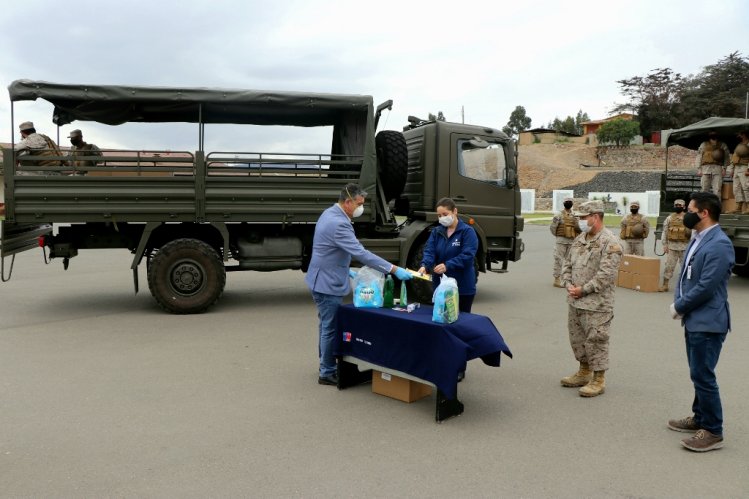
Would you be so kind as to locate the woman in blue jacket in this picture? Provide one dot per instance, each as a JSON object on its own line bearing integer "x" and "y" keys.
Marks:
{"x": 451, "y": 250}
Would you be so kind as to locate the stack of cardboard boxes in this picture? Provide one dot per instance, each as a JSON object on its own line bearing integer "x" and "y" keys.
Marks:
{"x": 640, "y": 273}
{"x": 726, "y": 197}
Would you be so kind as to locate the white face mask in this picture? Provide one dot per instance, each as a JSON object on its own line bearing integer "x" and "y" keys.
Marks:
{"x": 583, "y": 224}
{"x": 358, "y": 211}
{"x": 446, "y": 221}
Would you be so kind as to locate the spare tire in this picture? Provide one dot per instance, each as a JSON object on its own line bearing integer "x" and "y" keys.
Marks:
{"x": 392, "y": 159}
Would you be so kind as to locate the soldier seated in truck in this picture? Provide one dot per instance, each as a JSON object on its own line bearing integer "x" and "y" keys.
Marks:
{"x": 36, "y": 144}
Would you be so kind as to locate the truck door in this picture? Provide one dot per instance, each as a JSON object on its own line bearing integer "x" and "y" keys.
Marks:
{"x": 479, "y": 183}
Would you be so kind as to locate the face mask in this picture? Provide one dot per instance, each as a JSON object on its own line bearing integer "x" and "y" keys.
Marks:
{"x": 76, "y": 142}
{"x": 583, "y": 224}
{"x": 634, "y": 211}
{"x": 358, "y": 211}
{"x": 678, "y": 209}
{"x": 446, "y": 221}
{"x": 568, "y": 205}
{"x": 691, "y": 220}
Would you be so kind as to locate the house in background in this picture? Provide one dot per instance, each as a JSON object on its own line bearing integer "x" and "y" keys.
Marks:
{"x": 591, "y": 127}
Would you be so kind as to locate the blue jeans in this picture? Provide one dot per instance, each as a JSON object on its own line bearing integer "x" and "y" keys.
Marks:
{"x": 703, "y": 351}
{"x": 327, "y": 307}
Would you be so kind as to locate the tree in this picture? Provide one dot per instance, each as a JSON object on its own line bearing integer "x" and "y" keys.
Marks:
{"x": 718, "y": 90}
{"x": 439, "y": 117}
{"x": 579, "y": 120}
{"x": 570, "y": 124}
{"x": 618, "y": 131}
{"x": 655, "y": 99}
{"x": 518, "y": 122}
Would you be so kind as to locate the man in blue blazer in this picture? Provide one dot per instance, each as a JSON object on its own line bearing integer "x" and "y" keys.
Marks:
{"x": 701, "y": 302}
{"x": 333, "y": 247}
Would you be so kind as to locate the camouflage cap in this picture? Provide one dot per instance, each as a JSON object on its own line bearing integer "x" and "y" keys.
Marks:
{"x": 588, "y": 208}
{"x": 75, "y": 133}
{"x": 634, "y": 203}
{"x": 679, "y": 202}
{"x": 26, "y": 125}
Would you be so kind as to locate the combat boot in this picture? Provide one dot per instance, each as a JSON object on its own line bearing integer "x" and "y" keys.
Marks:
{"x": 580, "y": 378}
{"x": 664, "y": 288}
{"x": 745, "y": 211}
{"x": 557, "y": 283}
{"x": 596, "y": 386}
{"x": 738, "y": 210}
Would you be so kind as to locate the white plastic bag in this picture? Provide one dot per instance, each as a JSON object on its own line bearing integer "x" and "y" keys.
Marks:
{"x": 368, "y": 286}
{"x": 446, "y": 301}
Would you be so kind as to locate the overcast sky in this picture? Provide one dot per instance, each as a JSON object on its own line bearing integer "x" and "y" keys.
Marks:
{"x": 552, "y": 57}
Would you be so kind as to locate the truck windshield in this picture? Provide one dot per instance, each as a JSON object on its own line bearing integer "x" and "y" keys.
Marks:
{"x": 484, "y": 162}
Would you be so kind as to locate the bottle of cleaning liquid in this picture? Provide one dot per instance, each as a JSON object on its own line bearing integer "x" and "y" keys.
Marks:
{"x": 388, "y": 290}
{"x": 404, "y": 295}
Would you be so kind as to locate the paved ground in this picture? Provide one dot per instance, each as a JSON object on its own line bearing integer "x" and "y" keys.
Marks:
{"x": 102, "y": 394}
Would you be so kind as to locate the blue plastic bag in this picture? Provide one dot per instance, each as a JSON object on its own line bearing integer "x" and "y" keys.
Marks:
{"x": 446, "y": 301}
{"x": 368, "y": 292}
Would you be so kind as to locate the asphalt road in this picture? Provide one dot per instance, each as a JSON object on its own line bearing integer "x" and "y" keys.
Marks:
{"x": 102, "y": 394}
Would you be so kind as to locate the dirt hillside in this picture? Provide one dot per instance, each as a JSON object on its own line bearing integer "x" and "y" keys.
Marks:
{"x": 546, "y": 167}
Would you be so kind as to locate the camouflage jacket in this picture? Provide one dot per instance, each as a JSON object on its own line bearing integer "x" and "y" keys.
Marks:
{"x": 593, "y": 264}
{"x": 84, "y": 149}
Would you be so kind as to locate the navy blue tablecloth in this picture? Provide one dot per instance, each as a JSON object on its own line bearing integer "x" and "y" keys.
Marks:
{"x": 413, "y": 344}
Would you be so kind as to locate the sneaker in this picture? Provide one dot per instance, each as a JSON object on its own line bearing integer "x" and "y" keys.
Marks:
{"x": 686, "y": 425}
{"x": 328, "y": 380}
{"x": 703, "y": 441}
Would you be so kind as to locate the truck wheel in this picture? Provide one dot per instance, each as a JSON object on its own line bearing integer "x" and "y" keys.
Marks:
{"x": 392, "y": 155}
{"x": 741, "y": 270}
{"x": 186, "y": 276}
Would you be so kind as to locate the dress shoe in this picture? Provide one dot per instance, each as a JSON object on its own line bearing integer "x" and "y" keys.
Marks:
{"x": 328, "y": 380}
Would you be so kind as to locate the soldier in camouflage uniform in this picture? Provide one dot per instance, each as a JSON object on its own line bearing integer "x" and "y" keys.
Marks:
{"x": 712, "y": 159}
{"x": 564, "y": 226}
{"x": 635, "y": 229}
{"x": 739, "y": 170}
{"x": 35, "y": 144}
{"x": 589, "y": 274}
{"x": 78, "y": 149}
{"x": 675, "y": 239}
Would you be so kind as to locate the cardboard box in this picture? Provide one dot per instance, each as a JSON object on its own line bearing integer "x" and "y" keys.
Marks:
{"x": 647, "y": 283}
{"x": 728, "y": 205}
{"x": 726, "y": 191}
{"x": 644, "y": 265}
{"x": 398, "y": 388}
{"x": 624, "y": 279}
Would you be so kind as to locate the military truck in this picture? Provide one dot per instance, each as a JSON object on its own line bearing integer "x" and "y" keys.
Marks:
{"x": 195, "y": 215}
{"x": 680, "y": 185}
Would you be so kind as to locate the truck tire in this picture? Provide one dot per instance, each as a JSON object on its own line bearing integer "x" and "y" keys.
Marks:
{"x": 186, "y": 276}
{"x": 392, "y": 155}
{"x": 741, "y": 270}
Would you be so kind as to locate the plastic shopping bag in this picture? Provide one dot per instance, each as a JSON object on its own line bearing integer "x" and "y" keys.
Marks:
{"x": 445, "y": 301}
{"x": 368, "y": 285}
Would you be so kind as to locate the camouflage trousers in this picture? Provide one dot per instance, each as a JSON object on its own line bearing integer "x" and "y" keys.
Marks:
{"x": 561, "y": 250}
{"x": 712, "y": 179}
{"x": 634, "y": 247}
{"x": 589, "y": 336}
{"x": 740, "y": 184}
{"x": 673, "y": 258}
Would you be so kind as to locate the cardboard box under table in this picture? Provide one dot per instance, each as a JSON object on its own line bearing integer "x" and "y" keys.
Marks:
{"x": 413, "y": 347}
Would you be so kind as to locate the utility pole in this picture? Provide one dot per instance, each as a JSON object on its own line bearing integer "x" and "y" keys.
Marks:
{"x": 463, "y": 114}
{"x": 746, "y": 107}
